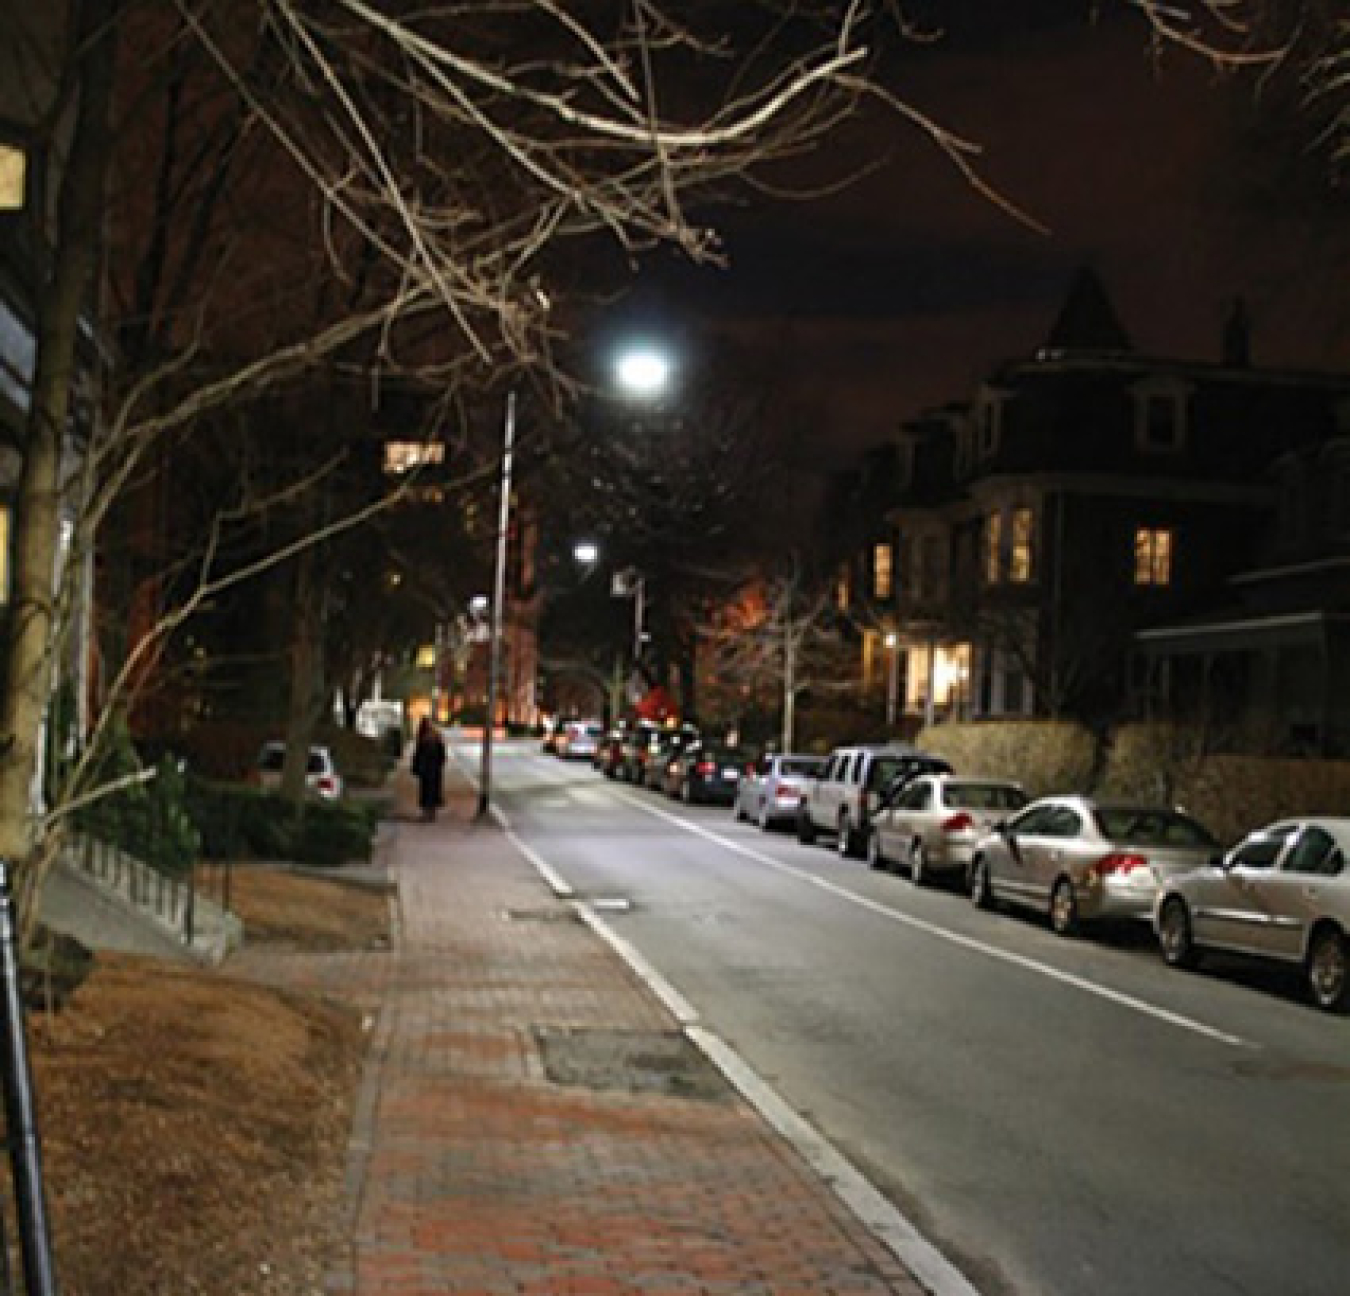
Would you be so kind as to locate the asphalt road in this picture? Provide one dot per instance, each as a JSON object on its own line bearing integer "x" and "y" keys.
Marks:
{"x": 1067, "y": 1117}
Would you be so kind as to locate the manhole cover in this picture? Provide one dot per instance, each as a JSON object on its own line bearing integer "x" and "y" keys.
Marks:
{"x": 663, "y": 1062}
{"x": 556, "y": 914}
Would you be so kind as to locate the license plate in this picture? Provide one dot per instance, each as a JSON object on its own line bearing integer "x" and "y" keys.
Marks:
{"x": 731, "y": 773}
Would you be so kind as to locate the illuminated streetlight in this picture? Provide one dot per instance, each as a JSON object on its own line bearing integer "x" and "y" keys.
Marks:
{"x": 644, "y": 372}
{"x": 586, "y": 552}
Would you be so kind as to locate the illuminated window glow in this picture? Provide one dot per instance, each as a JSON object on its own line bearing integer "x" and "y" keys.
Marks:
{"x": 1153, "y": 556}
{"x": 1020, "y": 557}
{"x": 403, "y": 456}
{"x": 883, "y": 571}
{"x": 993, "y": 548}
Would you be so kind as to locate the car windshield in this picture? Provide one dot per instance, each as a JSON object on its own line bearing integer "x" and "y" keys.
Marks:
{"x": 1146, "y": 827}
{"x": 985, "y": 796}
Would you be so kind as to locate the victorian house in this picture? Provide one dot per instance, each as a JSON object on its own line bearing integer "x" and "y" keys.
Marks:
{"x": 1095, "y": 531}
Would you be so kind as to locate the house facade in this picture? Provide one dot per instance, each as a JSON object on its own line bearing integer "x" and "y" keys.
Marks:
{"x": 1067, "y": 537}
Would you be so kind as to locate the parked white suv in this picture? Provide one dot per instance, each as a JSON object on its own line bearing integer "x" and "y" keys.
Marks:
{"x": 844, "y": 796}
{"x": 321, "y": 775}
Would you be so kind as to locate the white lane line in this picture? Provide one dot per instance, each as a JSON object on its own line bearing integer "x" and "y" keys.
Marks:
{"x": 681, "y": 1009}
{"x": 955, "y": 938}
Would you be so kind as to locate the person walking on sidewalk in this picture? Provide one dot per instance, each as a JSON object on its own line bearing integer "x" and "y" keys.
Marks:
{"x": 428, "y": 765}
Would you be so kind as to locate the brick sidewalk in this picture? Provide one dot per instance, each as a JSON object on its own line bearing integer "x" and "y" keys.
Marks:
{"x": 533, "y": 1123}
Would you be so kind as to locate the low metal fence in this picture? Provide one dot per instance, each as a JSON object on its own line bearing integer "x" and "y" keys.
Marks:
{"x": 24, "y": 1212}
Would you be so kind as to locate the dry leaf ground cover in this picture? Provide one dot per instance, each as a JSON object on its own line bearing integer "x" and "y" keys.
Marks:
{"x": 194, "y": 1125}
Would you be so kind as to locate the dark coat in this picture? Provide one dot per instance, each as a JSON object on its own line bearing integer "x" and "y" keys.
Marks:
{"x": 428, "y": 764}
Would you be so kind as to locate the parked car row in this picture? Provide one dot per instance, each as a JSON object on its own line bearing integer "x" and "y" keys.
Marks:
{"x": 1282, "y": 894}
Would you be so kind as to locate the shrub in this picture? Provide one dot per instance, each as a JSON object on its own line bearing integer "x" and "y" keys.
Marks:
{"x": 246, "y": 823}
{"x": 148, "y": 819}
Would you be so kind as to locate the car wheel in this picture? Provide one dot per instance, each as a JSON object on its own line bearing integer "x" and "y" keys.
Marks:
{"x": 806, "y": 830}
{"x": 1174, "y": 934}
{"x": 1063, "y": 909}
{"x": 918, "y": 865}
{"x": 981, "y": 892}
{"x": 876, "y": 857}
{"x": 1328, "y": 975}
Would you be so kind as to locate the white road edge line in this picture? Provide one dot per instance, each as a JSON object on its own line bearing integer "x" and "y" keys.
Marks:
{"x": 872, "y": 1210}
{"x": 955, "y": 938}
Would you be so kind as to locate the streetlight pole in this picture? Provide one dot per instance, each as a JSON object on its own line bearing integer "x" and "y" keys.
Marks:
{"x": 498, "y": 606}
{"x": 892, "y": 676}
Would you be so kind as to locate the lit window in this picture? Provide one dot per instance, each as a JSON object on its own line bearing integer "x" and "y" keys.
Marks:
{"x": 1020, "y": 556}
{"x": 883, "y": 583}
{"x": 4, "y": 554}
{"x": 1153, "y": 556}
{"x": 993, "y": 548}
{"x": 404, "y": 456}
{"x": 13, "y": 177}
{"x": 841, "y": 591}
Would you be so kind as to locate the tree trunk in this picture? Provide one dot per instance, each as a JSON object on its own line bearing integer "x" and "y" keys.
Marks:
{"x": 307, "y": 674}
{"x": 27, "y": 684}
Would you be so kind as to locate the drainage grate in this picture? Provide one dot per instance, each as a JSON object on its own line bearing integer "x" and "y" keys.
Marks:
{"x": 662, "y": 1062}
{"x": 556, "y": 914}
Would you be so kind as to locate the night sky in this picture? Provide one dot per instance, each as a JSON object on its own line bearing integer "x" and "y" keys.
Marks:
{"x": 899, "y": 293}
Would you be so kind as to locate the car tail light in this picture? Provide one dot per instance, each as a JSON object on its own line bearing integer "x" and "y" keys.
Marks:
{"x": 1119, "y": 862}
{"x": 326, "y": 784}
{"x": 958, "y": 823}
{"x": 705, "y": 767}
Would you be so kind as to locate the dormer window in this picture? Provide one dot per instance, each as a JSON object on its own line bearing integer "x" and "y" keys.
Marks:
{"x": 1161, "y": 417}
{"x": 989, "y": 423}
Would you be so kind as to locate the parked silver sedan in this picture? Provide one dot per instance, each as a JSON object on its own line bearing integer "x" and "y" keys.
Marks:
{"x": 1282, "y": 894}
{"x": 933, "y": 823}
{"x": 773, "y": 793}
{"x": 1077, "y": 859}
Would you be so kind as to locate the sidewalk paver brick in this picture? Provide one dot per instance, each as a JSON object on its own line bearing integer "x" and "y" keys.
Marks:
{"x": 472, "y": 1172}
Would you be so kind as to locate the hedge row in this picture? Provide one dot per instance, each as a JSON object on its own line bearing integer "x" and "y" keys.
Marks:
{"x": 1156, "y": 762}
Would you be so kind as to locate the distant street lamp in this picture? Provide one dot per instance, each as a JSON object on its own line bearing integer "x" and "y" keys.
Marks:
{"x": 586, "y": 552}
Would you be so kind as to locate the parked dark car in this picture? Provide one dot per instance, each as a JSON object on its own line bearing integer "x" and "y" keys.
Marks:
{"x": 608, "y": 753}
{"x": 709, "y": 772}
{"x": 638, "y": 741}
{"x": 665, "y": 754}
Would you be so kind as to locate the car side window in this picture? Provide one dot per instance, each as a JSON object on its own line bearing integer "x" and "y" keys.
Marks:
{"x": 1258, "y": 853}
{"x": 1034, "y": 822}
{"x": 1314, "y": 852}
{"x": 917, "y": 796}
{"x": 1064, "y": 823}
